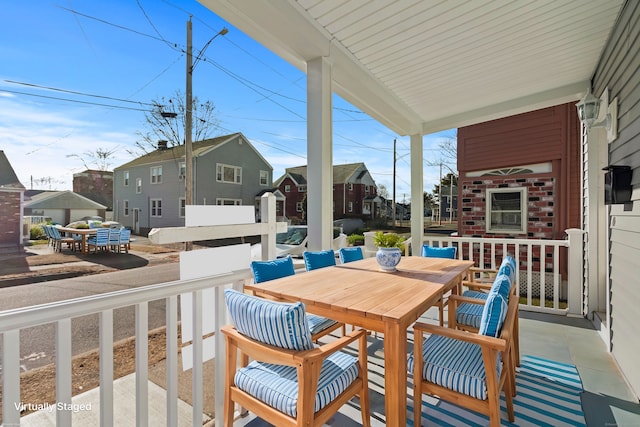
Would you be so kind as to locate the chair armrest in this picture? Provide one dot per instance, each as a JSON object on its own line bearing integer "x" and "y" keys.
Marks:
{"x": 472, "y": 284}
{"x": 482, "y": 340}
{"x": 280, "y": 356}
{"x": 460, "y": 299}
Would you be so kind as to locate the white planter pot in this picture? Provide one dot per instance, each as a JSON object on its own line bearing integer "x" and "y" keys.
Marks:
{"x": 388, "y": 258}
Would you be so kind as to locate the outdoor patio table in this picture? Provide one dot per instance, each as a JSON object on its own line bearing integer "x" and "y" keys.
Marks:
{"x": 360, "y": 294}
{"x": 84, "y": 232}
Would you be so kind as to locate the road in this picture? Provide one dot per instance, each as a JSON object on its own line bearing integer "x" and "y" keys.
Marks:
{"x": 37, "y": 344}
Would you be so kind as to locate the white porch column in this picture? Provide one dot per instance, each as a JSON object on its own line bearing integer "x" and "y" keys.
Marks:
{"x": 319, "y": 154}
{"x": 417, "y": 195}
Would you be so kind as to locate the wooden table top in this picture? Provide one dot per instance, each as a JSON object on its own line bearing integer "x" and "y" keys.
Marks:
{"x": 361, "y": 290}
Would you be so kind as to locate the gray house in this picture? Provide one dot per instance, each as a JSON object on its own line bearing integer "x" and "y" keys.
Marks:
{"x": 11, "y": 201}
{"x": 149, "y": 192}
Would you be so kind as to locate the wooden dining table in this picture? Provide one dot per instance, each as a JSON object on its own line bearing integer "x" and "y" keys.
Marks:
{"x": 84, "y": 232}
{"x": 359, "y": 293}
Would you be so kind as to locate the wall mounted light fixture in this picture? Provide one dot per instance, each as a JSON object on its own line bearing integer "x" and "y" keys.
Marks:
{"x": 598, "y": 112}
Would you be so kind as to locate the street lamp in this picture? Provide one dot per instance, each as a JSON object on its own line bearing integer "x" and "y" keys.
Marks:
{"x": 188, "y": 118}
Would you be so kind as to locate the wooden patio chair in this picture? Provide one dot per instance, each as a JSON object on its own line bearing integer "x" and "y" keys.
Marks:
{"x": 99, "y": 241}
{"x": 465, "y": 368}
{"x": 59, "y": 240}
{"x": 282, "y": 267}
{"x": 448, "y": 252}
{"x": 289, "y": 382}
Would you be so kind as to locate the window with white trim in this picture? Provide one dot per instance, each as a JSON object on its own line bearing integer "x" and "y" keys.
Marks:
{"x": 125, "y": 207}
{"x": 138, "y": 185}
{"x": 229, "y": 174}
{"x": 156, "y": 174}
{"x": 125, "y": 178}
{"x": 302, "y": 188}
{"x": 506, "y": 210}
{"x": 182, "y": 206}
{"x": 264, "y": 177}
{"x": 298, "y": 206}
{"x": 350, "y": 206}
{"x": 156, "y": 207}
{"x": 287, "y": 188}
{"x": 228, "y": 202}
{"x": 182, "y": 170}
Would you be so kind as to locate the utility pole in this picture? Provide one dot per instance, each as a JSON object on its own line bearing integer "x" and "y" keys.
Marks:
{"x": 188, "y": 116}
{"x": 188, "y": 123}
{"x": 393, "y": 202}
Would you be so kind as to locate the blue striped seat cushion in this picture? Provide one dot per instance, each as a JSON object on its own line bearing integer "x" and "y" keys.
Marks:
{"x": 318, "y": 323}
{"x": 502, "y": 285}
{"x": 475, "y": 294}
{"x": 279, "y": 324}
{"x": 508, "y": 267}
{"x": 277, "y": 385}
{"x": 456, "y": 365}
{"x": 469, "y": 314}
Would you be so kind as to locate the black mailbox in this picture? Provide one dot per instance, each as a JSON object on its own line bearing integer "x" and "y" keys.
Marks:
{"x": 617, "y": 184}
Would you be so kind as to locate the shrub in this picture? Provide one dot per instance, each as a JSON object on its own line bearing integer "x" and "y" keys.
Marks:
{"x": 355, "y": 239}
{"x": 36, "y": 232}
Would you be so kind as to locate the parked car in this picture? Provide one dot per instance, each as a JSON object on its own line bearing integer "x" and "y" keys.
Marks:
{"x": 294, "y": 242}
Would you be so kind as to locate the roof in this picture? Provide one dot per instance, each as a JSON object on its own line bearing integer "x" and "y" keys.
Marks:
{"x": 8, "y": 177}
{"x": 60, "y": 200}
{"x": 341, "y": 173}
{"x": 197, "y": 149}
{"x": 420, "y": 67}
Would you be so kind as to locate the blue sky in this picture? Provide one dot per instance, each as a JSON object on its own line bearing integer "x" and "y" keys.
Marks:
{"x": 134, "y": 50}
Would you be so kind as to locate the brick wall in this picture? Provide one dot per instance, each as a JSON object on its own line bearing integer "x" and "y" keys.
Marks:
{"x": 541, "y": 224}
{"x": 10, "y": 214}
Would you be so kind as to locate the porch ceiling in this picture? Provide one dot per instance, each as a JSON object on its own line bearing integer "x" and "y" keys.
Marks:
{"x": 420, "y": 66}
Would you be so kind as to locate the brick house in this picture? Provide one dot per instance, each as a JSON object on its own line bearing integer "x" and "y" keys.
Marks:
{"x": 355, "y": 193}
{"x": 11, "y": 202}
{"x": 520, "y": 176}
{"x": 95, "y": 185}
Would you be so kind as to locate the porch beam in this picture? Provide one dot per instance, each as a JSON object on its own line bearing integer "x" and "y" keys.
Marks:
{"x": 319, "y": 154}
{"x": 161, "y": 236}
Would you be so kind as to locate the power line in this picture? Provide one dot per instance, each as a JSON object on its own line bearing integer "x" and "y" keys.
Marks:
{"x": 73, "y": 100}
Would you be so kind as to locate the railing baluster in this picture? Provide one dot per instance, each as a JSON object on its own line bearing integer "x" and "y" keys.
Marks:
{"x": 106, "y": 368}
{"x": 196, "y": 372}
{"x": 172, "y": 360}
{"x": 529, "y": 275}
{"x": 556, "y": 276}
{"x": 543, "y": 275}
{"x": 63, "y": 372}
{"x": 11, "y": 377}
{"x": 142, "y": 364}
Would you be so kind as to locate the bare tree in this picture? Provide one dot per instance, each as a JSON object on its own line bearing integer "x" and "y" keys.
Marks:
{"x": 382, "y": 191}
{"x": 46, "y": 181}
{"x": 166, "y": 121}
{"x": 100, "y": 159}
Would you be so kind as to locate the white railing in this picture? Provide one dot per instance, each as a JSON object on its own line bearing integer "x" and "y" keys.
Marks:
{"x": 61, "y": 314}
{"x": 548, "y": 271}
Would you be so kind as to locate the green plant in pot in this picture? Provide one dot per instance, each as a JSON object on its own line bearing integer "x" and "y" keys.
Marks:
{"x": 390, "y": 247}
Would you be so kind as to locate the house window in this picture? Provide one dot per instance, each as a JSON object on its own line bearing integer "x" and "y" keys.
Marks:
{"x": 229, "y": 174}
{"x": 302, "y": 188}
{"x": 350, "y": 206}
{"x": 125, "y": 178}
{"x": 182, "y": 170}
{"x": 507, "y": 210}
{"x": 182, "y": 203}
{"x": 125, "y": 207}
{"x": 228, "y": 202}
{"x": 287, "y": 188}
{"x": 366, "y": 189}
{"x": 350, "y": 187}
{"x": 156, "y": 207}
{"x": 264, "y": 177}
{"x": 156, "y": 174}
{"x": 298, "y": 206}
{"x": 138, "y": 185}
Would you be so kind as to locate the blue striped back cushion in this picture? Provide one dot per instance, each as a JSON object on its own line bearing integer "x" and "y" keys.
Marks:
{"x": 351, "y": 254}
{"x": 493, "y": 314}
{"x": 431, "y": 252}
{"x": 454, "y": 364}
{"x": 277, "y": 385}
{"x": 508, "y": 267}
{"x": 319, "y": 259}
{"x": 279, "y": 324}
{"x": 264, "y": 271}
{"x": 502, "y": 285}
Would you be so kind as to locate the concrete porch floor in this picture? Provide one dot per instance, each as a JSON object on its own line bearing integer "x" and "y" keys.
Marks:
{"x": 607, "y": 399}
